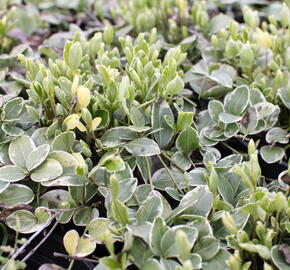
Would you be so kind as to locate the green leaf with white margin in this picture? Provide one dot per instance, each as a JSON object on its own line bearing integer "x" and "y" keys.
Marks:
{"x": 218, "y": 262}
{"x": 12, "y": 130}
{"x": 159, "y": 111}
{"x": 188, "y": 140}
{"x": 37, "y": 156}
{"x": 65, "y": 159}
{"x": 278, "y": 258}
{"x": 284, "y": 95}
{"x": 168, "y": 240}
{"x": 215, "y": 108}
{"x": 202, "y": 200}
{"x": 22, "y": 221}
{"x": 64, "y": 141}
{"x": 48, "y": 170}
{"x": 11, "y": 173}
{"x": 207, "y": 247}
{"x": 143, "y": 147}
{"x": 272, "y": 154}
{"x": 249, "y": 121}
{"x": 277, "y": 134}
{"x": 151, "y": 264}
{"x": 12, "y": 109}
{"x": 264, "y": 109}
{"x": 19, "y": 149}
{"x": 71, "y": 242}
{"x": 16, "y": 194}
{"x": 237, "y": 101}
{"x": 97, "y": 227}
{"x": 86, "y": 246}
{"x": 117, "y": 136}
{"x": 159, "y": 228}
{"x": 228, "y": 118}
{"x": 42, "y": 215}
{"x": 3, "y": 185}
{"x": 161, "y": 179}
{"x": 151, "y": 208}
{"x": 115, "y": 164}
{"x": 83, "y": 216}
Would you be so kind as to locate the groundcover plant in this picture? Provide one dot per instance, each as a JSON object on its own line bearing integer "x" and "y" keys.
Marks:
{"x": 144, "y": 134}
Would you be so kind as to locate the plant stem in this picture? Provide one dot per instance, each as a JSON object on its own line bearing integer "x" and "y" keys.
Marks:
{"x": 56, "y": 254}
{"x": 170, "y": 174}
{"x": 38, "y": 194}
{"x": 41, "y": 242}
{"x": 149, "y": 173}
{"x": 22, "y": 248}
{"x": 173, "y": 162}
{"x": 71, "y": 264}
{"x": 84, "y": 192}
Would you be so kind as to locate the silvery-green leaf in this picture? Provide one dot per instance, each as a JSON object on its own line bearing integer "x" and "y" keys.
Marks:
{"x": 229, "y": 161}
{"x": 141, "y": 230}
{"x": 196, "y": 177}
{"x": 150, "y": 209}
{"x": 231, "y": 130}
{"x": 159, "y": 228}
{"x": 240, "y": 217}
{"x": 181, "y": 160}
{"x": 237, "y": 101}
{"x": 215, "y": 107}
{"x": 19, "y": 150}
{"x": 64, "y": 141}
{"x": 218, "y": 262}
{"x": 249, "y": 121}
{"x": 272, "y": 119}
{"x": 143, "y": 147}
{"x": 83, "y": 216}
{"x": 161, "y": 179}
{"x": 48, "y": 170}
{"x": 202, "y": 199}
{"x": 65, "y": 159}
{"x": 228, "y": 118}
{"x": 127, "y": 189}
{"x": 264, "y": 109}
{"x": 12, "y": 109}
{"x": 3, "y": 185}
{"x": 168, "y": 239}
{"x": 21, "y": 220}
{"x": 173, "y": 193}
{"x": 12, "y": 130}
{"x": 214, "y": 133}
{"x": 16, "y": 194}
{"x": 97, "y": 227}
{"x": 207, "y": 247}
{"x": 278, "y": 258}
{"x": 11, "y": 173}
{"x": 188, "y": 140}
{"x": 272, "y": 154}
{"x": 284, "y": 179}
{"x": 169, "y": 264}
{"x": 37, "y": 156}
{"x": 68, "y": 178}
{"x": 117, "y": 136}
{"x": 256, "y": 96}
{"x": 277, "y": 134}
{"x": 151, "y": 264}
{"x": 284, "y": 95}
{"x": 159, "y": 111}
{"x": 222, "y": 78}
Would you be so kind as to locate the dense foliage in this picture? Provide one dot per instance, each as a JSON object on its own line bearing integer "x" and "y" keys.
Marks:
{"x": 155, "y": 133}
